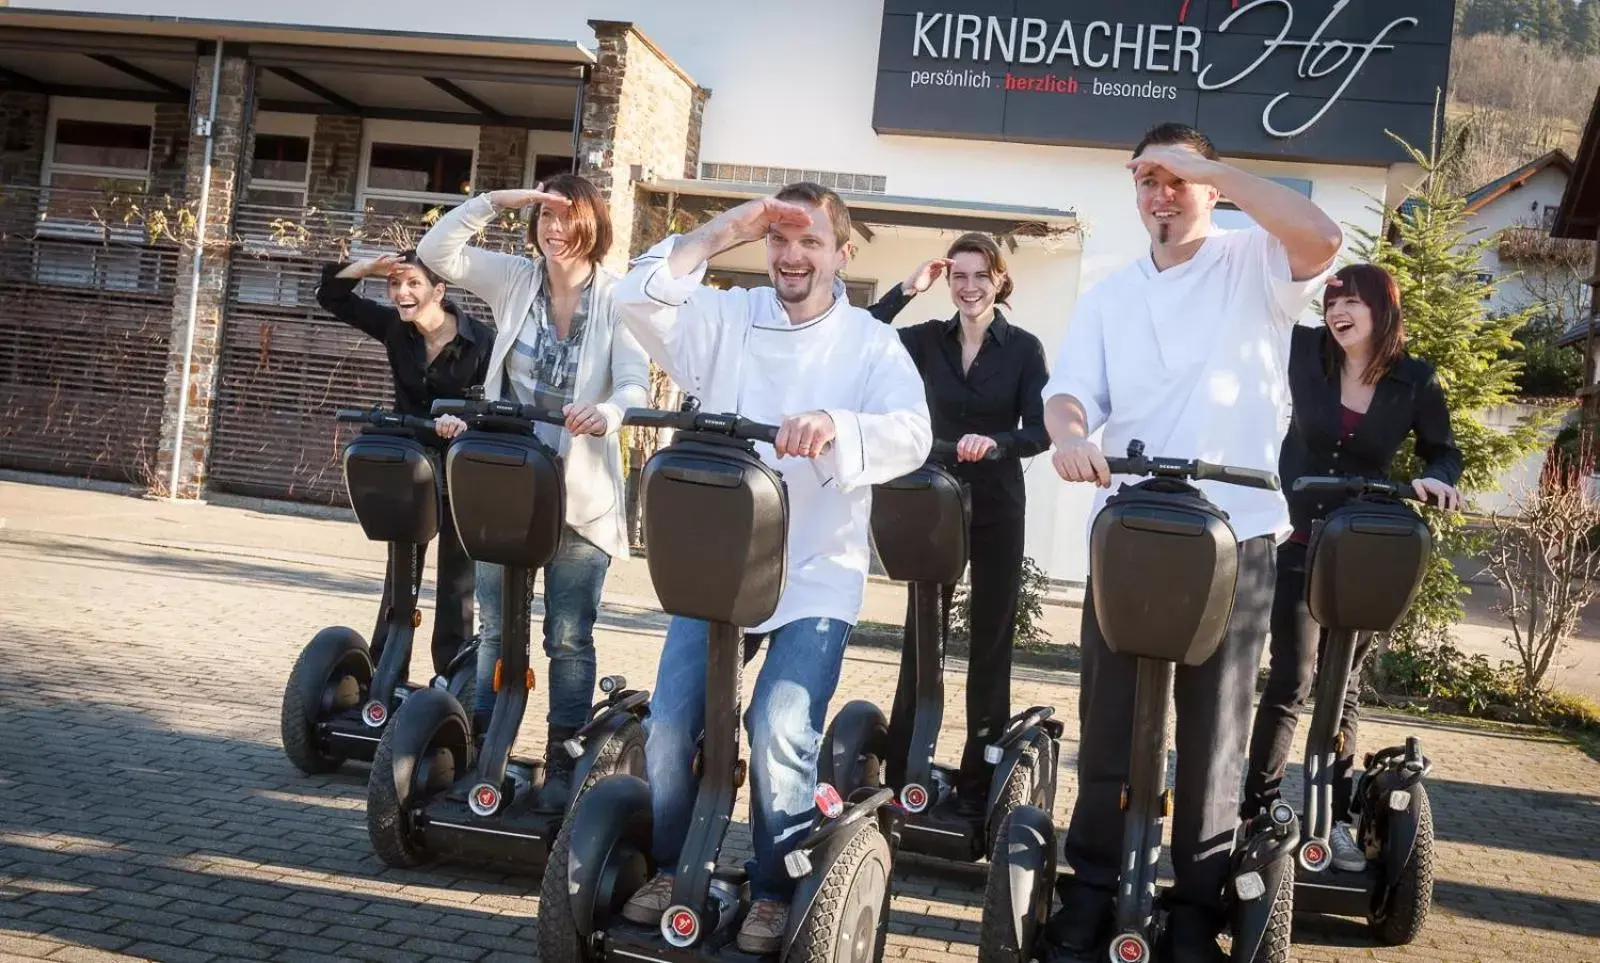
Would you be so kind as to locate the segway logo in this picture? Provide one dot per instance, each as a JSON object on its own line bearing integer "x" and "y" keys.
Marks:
{"x": 485, "y": 800}
{"x": 1314, "y": 856}
{"x": 680, "y": 926}
{"x": 915, "y": 798}
{"x": 375, "y": 714}
{"x": 1130, "y": 949}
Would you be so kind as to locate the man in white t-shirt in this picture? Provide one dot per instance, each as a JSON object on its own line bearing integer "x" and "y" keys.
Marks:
{"x": 1186, "y": 350}
{"x": 853, "y": 414}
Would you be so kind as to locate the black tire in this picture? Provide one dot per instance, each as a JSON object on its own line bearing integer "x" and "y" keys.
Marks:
{"x": 843, "y": 924}
{"x": 1276, "y": 940}
{"x": 623, "y": 752}
{"x": 559, "y": 940}
{"x": 850, "y": 767}
{"x": 332, "y": 674}
{"x": 1407, "y": 907}
{"x": 424, "y": 747}
{"x": 998, "y": 936}
{"x": 1024, "y": 787}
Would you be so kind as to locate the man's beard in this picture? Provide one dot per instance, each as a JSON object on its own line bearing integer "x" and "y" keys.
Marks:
{"x": 804, "y": 293}
{"x": 1163, "y": 232}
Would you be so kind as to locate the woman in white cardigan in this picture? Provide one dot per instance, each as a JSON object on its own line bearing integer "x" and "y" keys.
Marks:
{"x": 558, "y": 346}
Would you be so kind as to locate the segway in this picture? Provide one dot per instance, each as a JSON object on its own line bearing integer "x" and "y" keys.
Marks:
{"x": 337, "y": 704}
{"x": 1162, "y": 532}
{"x": 717, "y": 522}
{"x": 920, "y": 525}
{"x": 1365, "y": 564}
{"x": 433, "y": 792}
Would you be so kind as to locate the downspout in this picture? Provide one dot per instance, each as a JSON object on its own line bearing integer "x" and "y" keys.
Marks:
{"x": 577, "y": 118}
{"x": 204, "y": 130}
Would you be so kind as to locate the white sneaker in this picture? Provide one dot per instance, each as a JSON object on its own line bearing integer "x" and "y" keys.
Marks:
{"x": 1347, "y": 856}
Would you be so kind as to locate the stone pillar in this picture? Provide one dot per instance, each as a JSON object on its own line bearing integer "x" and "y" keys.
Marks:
{"x": 22, "y": 129}
{"x": 335, "y": 163}
{"x": 502, "y": 159}
{"x": 228, "y": 135}
{"x": 641, "y": 119}
{"x": 169, "y": 150}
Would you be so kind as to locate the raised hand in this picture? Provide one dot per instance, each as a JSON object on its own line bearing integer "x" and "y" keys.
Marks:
{"x": 926, "y": 273}
{"x": 1184, "y": 163}
{"x": 751, "y": 220}
{"x": 513, "y": 200}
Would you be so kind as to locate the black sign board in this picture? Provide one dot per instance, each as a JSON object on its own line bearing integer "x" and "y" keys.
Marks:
{"x": 1310, "y": 80}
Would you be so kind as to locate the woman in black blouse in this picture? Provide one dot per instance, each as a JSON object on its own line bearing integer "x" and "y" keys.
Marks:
{"x": 1356, "y": 395}
{"x": 984, "y": 379}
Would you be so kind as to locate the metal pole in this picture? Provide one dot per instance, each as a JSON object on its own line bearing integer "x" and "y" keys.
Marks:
{"x": 199, "y": 259}
{"x": 577, "y": 120}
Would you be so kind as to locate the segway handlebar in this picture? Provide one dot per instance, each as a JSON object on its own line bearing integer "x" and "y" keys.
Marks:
{"x": 1138, "y": 463}
{"x": 692, "y": 419}
{"x": 478, "y": 408}
{"x": 946, "y": 450}
{"x": 1354, "y": 485}
{"x": 379, "y": 418}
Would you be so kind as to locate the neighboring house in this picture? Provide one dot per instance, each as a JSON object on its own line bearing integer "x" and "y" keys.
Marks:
{"x": 1578, "y": 222}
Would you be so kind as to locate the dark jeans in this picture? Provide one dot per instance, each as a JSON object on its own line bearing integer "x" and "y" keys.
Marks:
{"x": 1292, "y": 669}
{"x": 453, "y": 606}
{"x": 995, "y": 568}
{"x": 1213, "y": 719}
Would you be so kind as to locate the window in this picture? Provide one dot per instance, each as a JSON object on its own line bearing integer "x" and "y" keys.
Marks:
{"x": 546, "y": 166}
{"x": 1548, "y": 223}
{"x": 278, "y": 170}
{"x": 404, "y": 179}
{"x": 94, "y": 148}
{"x": 859, "y": 293}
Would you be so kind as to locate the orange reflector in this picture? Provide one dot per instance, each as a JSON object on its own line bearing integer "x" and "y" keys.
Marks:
{"x": 497, "y": 675}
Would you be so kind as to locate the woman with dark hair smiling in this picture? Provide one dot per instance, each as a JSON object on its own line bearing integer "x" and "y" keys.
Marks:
{"x": 1356, "y": 396}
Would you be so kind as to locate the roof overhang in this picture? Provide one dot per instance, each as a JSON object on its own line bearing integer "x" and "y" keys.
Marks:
{"x": 1010, "y": 221}
{"x": 446, "y": 78}
{"x": 1579, "y": 214}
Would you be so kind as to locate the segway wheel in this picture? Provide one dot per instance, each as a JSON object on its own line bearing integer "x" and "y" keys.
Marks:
{"x": 1400, "y": 919}
{"x": 422, "y": 751}
{"x": 843, "y": 924}
{"x": 615, "y": 842}
{"x": 1025, "y": 786}
{"x": 1275, "y": 941}
{"x": 852, "y": 749}
{"x": 623, "y": 752}
{"x": 332, "y": 674}
{"x": 1008, "y": 932}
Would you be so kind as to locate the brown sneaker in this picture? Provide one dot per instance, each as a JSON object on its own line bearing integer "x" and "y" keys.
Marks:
{"x": 650, "y": 902}
{"x": 762, "y": 930}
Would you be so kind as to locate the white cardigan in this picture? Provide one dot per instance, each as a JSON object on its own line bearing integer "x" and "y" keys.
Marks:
{"x": 613, "y": 371}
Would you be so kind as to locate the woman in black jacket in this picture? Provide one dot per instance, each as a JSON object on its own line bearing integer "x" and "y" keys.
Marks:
{"x": 984, "y": 379}
{"x": 1356, "y": 396}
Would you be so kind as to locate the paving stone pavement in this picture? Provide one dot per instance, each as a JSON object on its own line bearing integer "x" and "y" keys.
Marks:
{"x": 147, "y": 810}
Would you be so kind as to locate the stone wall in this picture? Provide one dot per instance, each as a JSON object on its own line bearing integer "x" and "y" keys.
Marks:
{"x": 169, "y": 148}
{"x": 641, "y": 120}
{"x": 23, "y": 116}
{"x": 199, "y": 388}
{"x": 502, "y": 158}
{"x": 335, "y": 163}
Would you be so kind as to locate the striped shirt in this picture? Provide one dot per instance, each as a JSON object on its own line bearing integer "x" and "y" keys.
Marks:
{"x": 542, "y": 369}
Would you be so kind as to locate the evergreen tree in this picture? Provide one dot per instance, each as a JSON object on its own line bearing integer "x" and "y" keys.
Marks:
{"x": 1435, "y": 265}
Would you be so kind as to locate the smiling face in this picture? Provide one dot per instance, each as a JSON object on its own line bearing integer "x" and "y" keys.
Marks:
{"x": 973, "y": 286}
{"x": 1173, "y": 210}
{"x": 412, "y": 293}
{"x": 1350, "y": 320}
{"x": 555, "y": 236}
{"x": 803, "y": 261}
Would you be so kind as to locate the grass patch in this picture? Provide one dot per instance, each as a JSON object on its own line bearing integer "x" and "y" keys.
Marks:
{"x": 1047, "y": 655}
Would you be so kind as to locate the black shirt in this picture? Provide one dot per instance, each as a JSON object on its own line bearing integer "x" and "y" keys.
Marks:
{"x": 1004, "y": 387}
{"x": 462, "y": 364}
{"x": 1405, "y": 400}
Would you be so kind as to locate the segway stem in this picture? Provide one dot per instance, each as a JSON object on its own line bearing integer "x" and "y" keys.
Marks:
{"x": 1322, "y": 743}
{"x": 927, "y": 655}
{"x": 395, "y": 659}
{"x": 511, "y": 699}
{"x": 713, "y": 802}
{"x": 1147, "y": 778}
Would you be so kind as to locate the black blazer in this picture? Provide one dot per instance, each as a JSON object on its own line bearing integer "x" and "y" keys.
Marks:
{"x": 1408, "y": 399}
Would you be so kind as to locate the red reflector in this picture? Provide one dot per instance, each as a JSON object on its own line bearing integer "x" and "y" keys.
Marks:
{"x": 829, "y": 801}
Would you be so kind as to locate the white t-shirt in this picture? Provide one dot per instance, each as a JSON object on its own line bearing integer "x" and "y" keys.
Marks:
{"x": 1193, "y": 361}
{"x": 737, "y": 351}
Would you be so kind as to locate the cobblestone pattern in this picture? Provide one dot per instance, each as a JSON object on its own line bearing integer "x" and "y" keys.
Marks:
{"x": 147, "y": 811}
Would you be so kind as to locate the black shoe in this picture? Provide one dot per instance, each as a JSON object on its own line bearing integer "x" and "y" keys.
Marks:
{"x": 1084, "y": 920}
{"x": 1191, "y": 936}
{"x": 558, "y": 767}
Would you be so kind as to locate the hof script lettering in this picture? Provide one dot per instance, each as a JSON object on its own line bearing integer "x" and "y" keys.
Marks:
{"x": 1312, "y": 56}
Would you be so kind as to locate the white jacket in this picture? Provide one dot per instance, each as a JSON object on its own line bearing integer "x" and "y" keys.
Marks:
{"x": 613, "y": 371}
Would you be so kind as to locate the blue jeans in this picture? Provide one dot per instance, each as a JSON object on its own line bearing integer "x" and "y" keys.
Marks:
{"x": 572, "y": 584}
{"x": 784, "y": 722}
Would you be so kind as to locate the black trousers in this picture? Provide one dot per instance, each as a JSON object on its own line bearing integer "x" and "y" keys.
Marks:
{"x": 1213, "y": 718}
{"x": 1298, "y": 645}
{"x": 453, "y": 605}
{"x": 995, "y": 567}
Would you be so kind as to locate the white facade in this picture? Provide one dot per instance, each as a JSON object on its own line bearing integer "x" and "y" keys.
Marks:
{"x": 794, "y": 87}
{"x": 1531, "y": 205}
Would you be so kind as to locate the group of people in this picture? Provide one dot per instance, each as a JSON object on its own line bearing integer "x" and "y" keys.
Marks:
{"x": 1195, "y": 348}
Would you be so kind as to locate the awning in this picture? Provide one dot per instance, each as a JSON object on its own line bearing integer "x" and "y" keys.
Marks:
{"x": 449, "y": 78}
{"x": 1010, "y": 221}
